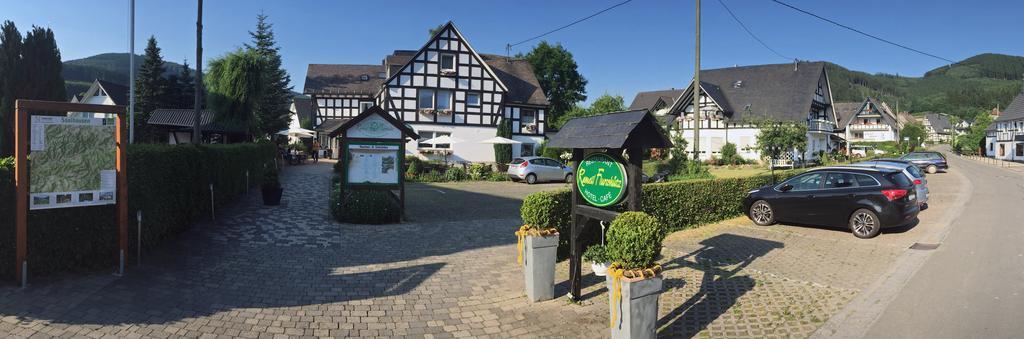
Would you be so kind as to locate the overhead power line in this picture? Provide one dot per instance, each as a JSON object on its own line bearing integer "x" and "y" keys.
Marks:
{"x": 752, "y": 35}
{"x": 509, "y": 46}
{"x": 863, "y": 33}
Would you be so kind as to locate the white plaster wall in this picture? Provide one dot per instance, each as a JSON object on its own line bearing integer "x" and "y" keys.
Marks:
{"x": 712, "y": 140}
{"x": 469, "y": 150}
{"x": 990, "y": 152}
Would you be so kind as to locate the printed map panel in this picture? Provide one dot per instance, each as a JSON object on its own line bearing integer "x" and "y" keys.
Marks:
{"x": 72, "y": 162}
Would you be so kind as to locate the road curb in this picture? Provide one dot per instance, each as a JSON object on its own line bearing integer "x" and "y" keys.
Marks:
{"x": 860, "y": 314}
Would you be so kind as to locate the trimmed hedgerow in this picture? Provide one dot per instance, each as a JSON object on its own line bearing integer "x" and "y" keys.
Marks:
{"x": 634, "y": 240}
{"x": 364, "y": 206}
{"x": 678, "y": 205}
{"x": 170, "y": 184}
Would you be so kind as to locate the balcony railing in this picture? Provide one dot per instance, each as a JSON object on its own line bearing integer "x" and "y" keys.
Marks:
{"x": 1007, "y": 136}
{"x": 820, "y": 126}
{"x": 869, "y": 127}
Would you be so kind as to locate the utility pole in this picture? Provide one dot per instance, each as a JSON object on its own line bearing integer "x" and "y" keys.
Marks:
{"x": 696, "y": 92}
{"x": 131, "y": 71}
{"x": 197, "y": 135}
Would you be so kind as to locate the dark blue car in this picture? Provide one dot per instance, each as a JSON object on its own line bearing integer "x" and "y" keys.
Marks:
{"x": 930, "y": 162}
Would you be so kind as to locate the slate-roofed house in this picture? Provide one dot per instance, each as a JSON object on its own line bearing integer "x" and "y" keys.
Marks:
{"x": 735, "y": 97}
{"x": 443, "y": 88}
{"x": 177, "y": 124}
{"x": 871, "y": 120}
{"x": 1005, "y": 138}
{"x": 937, "y": 127}
{"x": 101, "y": 92}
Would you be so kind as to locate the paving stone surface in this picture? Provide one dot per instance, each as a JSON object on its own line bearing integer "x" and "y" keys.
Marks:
{"x": 290, "y": 271}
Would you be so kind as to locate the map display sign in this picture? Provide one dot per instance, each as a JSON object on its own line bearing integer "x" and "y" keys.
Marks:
{"x": 601, "y": 180}
{"x": 72, "y": 162}
{"x": 371, "y": 163}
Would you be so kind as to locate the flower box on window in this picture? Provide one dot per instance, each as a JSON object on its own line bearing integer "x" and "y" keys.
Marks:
{"x": 427, "y": 111}
{"x": 444, "y": 112}
{"x": 448, "y": 72}
{"x": 530, "y": 128}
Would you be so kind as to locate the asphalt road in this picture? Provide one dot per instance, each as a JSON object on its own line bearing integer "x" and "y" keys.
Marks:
{"x": 972, "y": 286}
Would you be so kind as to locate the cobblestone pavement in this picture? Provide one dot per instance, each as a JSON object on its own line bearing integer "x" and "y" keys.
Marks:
{"x": 290, "y": 271}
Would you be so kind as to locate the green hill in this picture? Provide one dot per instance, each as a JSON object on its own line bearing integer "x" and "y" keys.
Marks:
{"x": 963, "y": 89}
{"x": 113, "y": 67}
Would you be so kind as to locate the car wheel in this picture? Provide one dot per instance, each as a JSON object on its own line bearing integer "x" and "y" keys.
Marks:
{"x": 865, "y": 224}
{"x": 761, "y": 213}
{"x": 569, "y": 178}
{"x": 932, "y": 169}
{"x": 531, "y": 179}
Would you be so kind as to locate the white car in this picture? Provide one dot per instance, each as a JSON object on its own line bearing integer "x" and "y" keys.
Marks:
{"x": 909, "y": 169}
{"x": 538, "y": 169}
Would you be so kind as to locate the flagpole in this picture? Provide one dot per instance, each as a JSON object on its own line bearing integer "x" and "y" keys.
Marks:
{"x": 131, "y": 72}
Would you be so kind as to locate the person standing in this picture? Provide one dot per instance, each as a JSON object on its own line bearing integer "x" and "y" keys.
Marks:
{"x": 316, "y": 151}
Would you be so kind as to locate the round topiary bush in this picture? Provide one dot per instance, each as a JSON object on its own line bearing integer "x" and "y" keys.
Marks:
{"x": 634, "y": 240}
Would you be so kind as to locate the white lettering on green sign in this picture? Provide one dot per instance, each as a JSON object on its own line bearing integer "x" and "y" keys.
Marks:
{"x": 601, "y": 180}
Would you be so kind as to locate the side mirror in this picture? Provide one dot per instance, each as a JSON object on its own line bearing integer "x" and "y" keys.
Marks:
{"x": 786, "y": 187}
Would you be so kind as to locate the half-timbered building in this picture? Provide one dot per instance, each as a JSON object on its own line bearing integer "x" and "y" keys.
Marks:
{"x": 867, "y": 121}
{"x": 444, "y": 88}
{"x": 733, "y": 100}
{"x": 1005, "y": 135}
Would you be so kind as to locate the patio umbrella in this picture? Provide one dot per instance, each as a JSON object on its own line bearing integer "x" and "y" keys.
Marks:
{"x": 444, "y": 139}
{"x": 297, "y": 132}
{"x": 500, "y": 140}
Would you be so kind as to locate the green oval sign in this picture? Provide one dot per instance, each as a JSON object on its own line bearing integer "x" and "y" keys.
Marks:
{"x": 601, "y": 180}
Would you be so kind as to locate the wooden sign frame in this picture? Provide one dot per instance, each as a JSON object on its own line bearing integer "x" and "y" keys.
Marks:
{"x": 22, "y": 115}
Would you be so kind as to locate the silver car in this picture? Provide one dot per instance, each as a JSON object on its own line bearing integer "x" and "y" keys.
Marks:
{"x": 909, "y": 169}
{"x": 538, "y": 169}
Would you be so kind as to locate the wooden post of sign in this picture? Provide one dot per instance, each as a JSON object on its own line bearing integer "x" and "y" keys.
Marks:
{"x": 634, "y": 171}
{"x": 21, "y": 117}
{"x": 401, "y": 179}
{"x": 578, "y": 223}
{"x": 122, "y": 190}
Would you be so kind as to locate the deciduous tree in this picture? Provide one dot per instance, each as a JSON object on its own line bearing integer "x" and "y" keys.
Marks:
{"x": 557, "y": 73}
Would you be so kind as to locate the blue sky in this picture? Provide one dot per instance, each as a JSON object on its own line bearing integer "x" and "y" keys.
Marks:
{"x": 643, "y": 45}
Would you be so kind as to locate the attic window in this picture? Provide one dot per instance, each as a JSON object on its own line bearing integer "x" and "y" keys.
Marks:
{"x": 737, "y": 84}
{"x": 364, "y": 77}
{"x": 447, "y": 62}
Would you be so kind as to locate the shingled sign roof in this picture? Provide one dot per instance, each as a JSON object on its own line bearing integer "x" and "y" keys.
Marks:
{"x": 612, "y": 130}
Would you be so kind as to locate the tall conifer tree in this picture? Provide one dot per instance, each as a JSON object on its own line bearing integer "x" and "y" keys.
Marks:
{"x": 150, "y": 88}
{"x": 10, "y": 76}
{"x": 271, "y": 111}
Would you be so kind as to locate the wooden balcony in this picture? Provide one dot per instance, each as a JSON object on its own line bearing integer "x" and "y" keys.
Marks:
{"x": 821, "y": 126}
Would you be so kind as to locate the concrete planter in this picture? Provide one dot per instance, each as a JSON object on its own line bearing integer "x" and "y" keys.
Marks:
{"x": 635, "y": 314}
{"x": 539, "y": 267}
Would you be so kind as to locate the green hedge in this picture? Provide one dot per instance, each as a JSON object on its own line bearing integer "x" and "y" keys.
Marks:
{"x": 168, "y": 183}
{"x": 363, "y": 206}
{"x": 678, "y": 205}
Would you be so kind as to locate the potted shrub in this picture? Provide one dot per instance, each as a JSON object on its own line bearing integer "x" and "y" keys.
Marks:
{"x": 597, "y": 255}
{"x": 271, "y": 187}
{"x": 537, "y": 249}
{"x": 634, "y": 277}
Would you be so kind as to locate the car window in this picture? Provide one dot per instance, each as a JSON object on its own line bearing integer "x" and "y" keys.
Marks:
{"x": 899, "y": 179}
{"x": 934, "y": 156}
{"x": 839, "y": 180}
{"x": 553, "y": 163}
{"x": 538, "y": 162}
{"x": 517, "y": 161}
{"x": 864, "y": 180}
{"x": 916, "y": 172}
{"x": 810, "y": 181}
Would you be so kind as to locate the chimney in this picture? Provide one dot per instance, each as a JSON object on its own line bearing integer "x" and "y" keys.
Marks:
{"x": 796, "y": 63}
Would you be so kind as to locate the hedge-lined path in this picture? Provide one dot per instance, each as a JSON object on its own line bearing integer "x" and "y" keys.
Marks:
{"x": 291, "y": 271}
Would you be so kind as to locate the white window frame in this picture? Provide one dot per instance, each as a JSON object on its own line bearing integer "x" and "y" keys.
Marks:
{"x": 437, "y": 99}
{"x": 364, "y": 103}
{"x": 522, "y": 113}
{"x": 420, "y": 97}
{"x": 440, "y": 62}
{"x": 533, "y": 149}
{"x": 433, "y": 134}
{"x": 478, "y": 99}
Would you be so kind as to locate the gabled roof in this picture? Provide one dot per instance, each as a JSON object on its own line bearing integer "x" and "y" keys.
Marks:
{"x": 1014, "y": 111}
{"x": 781, "y": 91}
{"x": 612, "y": 130}
{"x": 514, "y": 75}
{"x": 330, "y": 126}
{"x": 449, "y": 26}
{"x": 343, "y": 79}
{"x": 116, "y": 92}
{"x": 846, "y": 111}
{"x": 184, "y": 118}
{"x": 303, "y": 108}
{"x": 407, "y": 131}
{"x": 940, "y": 122}
{"x": 647, "y": 100}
